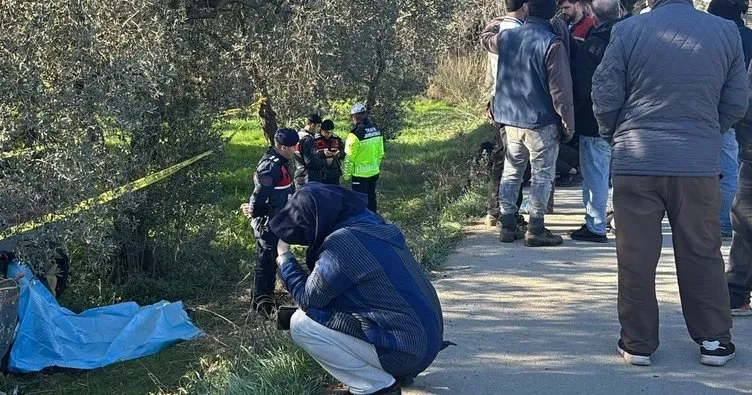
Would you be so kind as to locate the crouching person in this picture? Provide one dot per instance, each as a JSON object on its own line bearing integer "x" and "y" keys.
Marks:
{"x": 368, "y": 314}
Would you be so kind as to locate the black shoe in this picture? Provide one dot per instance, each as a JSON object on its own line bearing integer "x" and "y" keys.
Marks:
{"x": 716, "y": 354}
{"x": 393, "y": 389}
{"x": 634, "y": 358}
{"x": 584, "y": 234}
{"x": 264, "y": 306}
{"x": 543, "y": 239}
{"x": 521, "y": 223}
{"x": 508, "y": 235}
{"x": 569, "y": 180}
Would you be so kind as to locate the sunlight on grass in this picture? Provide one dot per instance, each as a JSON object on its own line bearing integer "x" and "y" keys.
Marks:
{"x": 426, "y": 188}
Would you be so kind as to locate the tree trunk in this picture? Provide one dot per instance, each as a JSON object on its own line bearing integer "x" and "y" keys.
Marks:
{"x": 376, "y": 73}
{"x": 268, "y": 120}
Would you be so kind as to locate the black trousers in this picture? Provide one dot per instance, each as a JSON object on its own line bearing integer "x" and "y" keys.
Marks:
{"x": 266, "y": 267}
{"x": 568, "y": 159}
{"x": 367, "y": 185}
{"x": 739, "y": 274}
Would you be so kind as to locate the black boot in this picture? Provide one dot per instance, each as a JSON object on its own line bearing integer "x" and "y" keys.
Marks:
{"x": 543, "y": 238}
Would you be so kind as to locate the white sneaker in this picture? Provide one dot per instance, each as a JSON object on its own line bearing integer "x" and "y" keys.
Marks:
{"x": 631, "y": 357}
{"x": 716, "y": 354}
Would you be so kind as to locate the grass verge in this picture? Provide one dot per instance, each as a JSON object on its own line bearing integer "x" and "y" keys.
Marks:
{"x": 426, "y": 188}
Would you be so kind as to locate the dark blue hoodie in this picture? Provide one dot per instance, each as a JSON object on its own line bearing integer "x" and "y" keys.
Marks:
{"x": 365, "y": 282}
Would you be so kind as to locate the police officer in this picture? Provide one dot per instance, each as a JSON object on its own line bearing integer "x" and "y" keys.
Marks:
{"x": 310, "y": 162}
{"x": 327, "y": 141}
{"x": 273, "y": 186}
{"x": 365, "y": 151}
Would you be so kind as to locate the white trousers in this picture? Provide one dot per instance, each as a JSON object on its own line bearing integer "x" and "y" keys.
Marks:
{"x": 350, "y": 360}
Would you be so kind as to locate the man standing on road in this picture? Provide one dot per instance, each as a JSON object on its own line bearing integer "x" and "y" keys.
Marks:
{"x": 533, "y": 99}
{"x": 662, "y": 95}
{"x": 733, "y": 11}
{"x": 595, "y": 152}
{"x": 310, "y": 162}
{"x": 364, "y": 150}
{"x": 739, "y": 275}
{"x": 272, "y": 187}
{"x": 580, "y": 24}
{"x": 515, "y": 17}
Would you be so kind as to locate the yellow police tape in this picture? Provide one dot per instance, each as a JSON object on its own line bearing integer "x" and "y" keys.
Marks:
{"x": 103, "y": 198}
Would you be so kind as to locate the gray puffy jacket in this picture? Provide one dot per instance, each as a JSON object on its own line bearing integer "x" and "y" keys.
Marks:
{"x": 670, "y": 82}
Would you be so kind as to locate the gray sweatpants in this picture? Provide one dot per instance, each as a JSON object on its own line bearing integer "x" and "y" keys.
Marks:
{"x": 350, "y": 360}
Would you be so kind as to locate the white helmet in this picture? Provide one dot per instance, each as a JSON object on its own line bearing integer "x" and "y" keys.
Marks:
{"x": 358, "y": 108}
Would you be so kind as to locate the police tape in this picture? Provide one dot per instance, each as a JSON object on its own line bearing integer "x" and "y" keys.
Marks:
{"x": 103, "y": 198}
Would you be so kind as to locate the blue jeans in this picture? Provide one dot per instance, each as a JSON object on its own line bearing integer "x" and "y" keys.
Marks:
{"x": 730, "y": 173}
{"x": 540, "y": 147}
{"x": 595, "y": 163}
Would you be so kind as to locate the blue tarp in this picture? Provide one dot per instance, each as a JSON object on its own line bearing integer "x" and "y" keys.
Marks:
{"x": 50, "y": 335}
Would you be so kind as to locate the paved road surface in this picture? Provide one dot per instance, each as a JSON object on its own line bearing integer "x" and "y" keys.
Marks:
{"x": 543, "y": 321}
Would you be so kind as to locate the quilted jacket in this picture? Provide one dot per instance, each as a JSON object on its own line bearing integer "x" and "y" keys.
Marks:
{"x": 670, "y": 82}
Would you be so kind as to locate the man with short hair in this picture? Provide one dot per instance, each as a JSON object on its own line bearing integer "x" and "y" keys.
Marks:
{"x": 580, "y": 24}
{"x": 733, "y": 11}
{"x": 516, "y": 13}
{"x": 595, "y": 152}
{"x": 310, "y": 161}
{"x": 364, "y": 150}
{"x": 328, "y": 141}
{"x": 533, "y": 100}
{"x": 272, "y": 187}
{"x": 663, "y": 104}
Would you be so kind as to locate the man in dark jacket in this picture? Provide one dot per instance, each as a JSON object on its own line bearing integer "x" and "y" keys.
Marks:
{"x": 595, "y": 152}
{"x": 534, "y": 101}
{"x": 272, "y": 187}
{"x": 328, "y": 142}
{"x": 310, "y": 162}
{"x": 733, "y": 11}
{"x": 662, "y": 95}
{"x": 739, "y": 274}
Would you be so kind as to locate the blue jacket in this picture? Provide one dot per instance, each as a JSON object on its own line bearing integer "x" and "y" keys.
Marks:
{"x": 522, "y": 97}
{"x": 367, "y": 284}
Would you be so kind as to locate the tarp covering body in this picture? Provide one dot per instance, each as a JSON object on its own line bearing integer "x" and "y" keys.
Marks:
{"x": 50, "y": 335}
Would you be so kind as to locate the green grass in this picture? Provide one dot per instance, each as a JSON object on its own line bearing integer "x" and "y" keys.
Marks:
{"x": 424, "y": 188}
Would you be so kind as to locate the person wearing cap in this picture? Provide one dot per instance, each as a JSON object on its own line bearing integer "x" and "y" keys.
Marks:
{"x": 731, "y": 10}
{"x": 364, "y": 148}
{"x": 533, "y": 100}
{"x": 328, "y": 142}
{"x": 273, "y": 185}
{"x": 310, "y": 162}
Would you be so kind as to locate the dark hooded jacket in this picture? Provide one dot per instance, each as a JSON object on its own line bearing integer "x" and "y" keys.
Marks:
{"x": 744, "y": 128}
{"x": 365, "y": 282}
{"x": 588, "y": 57}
